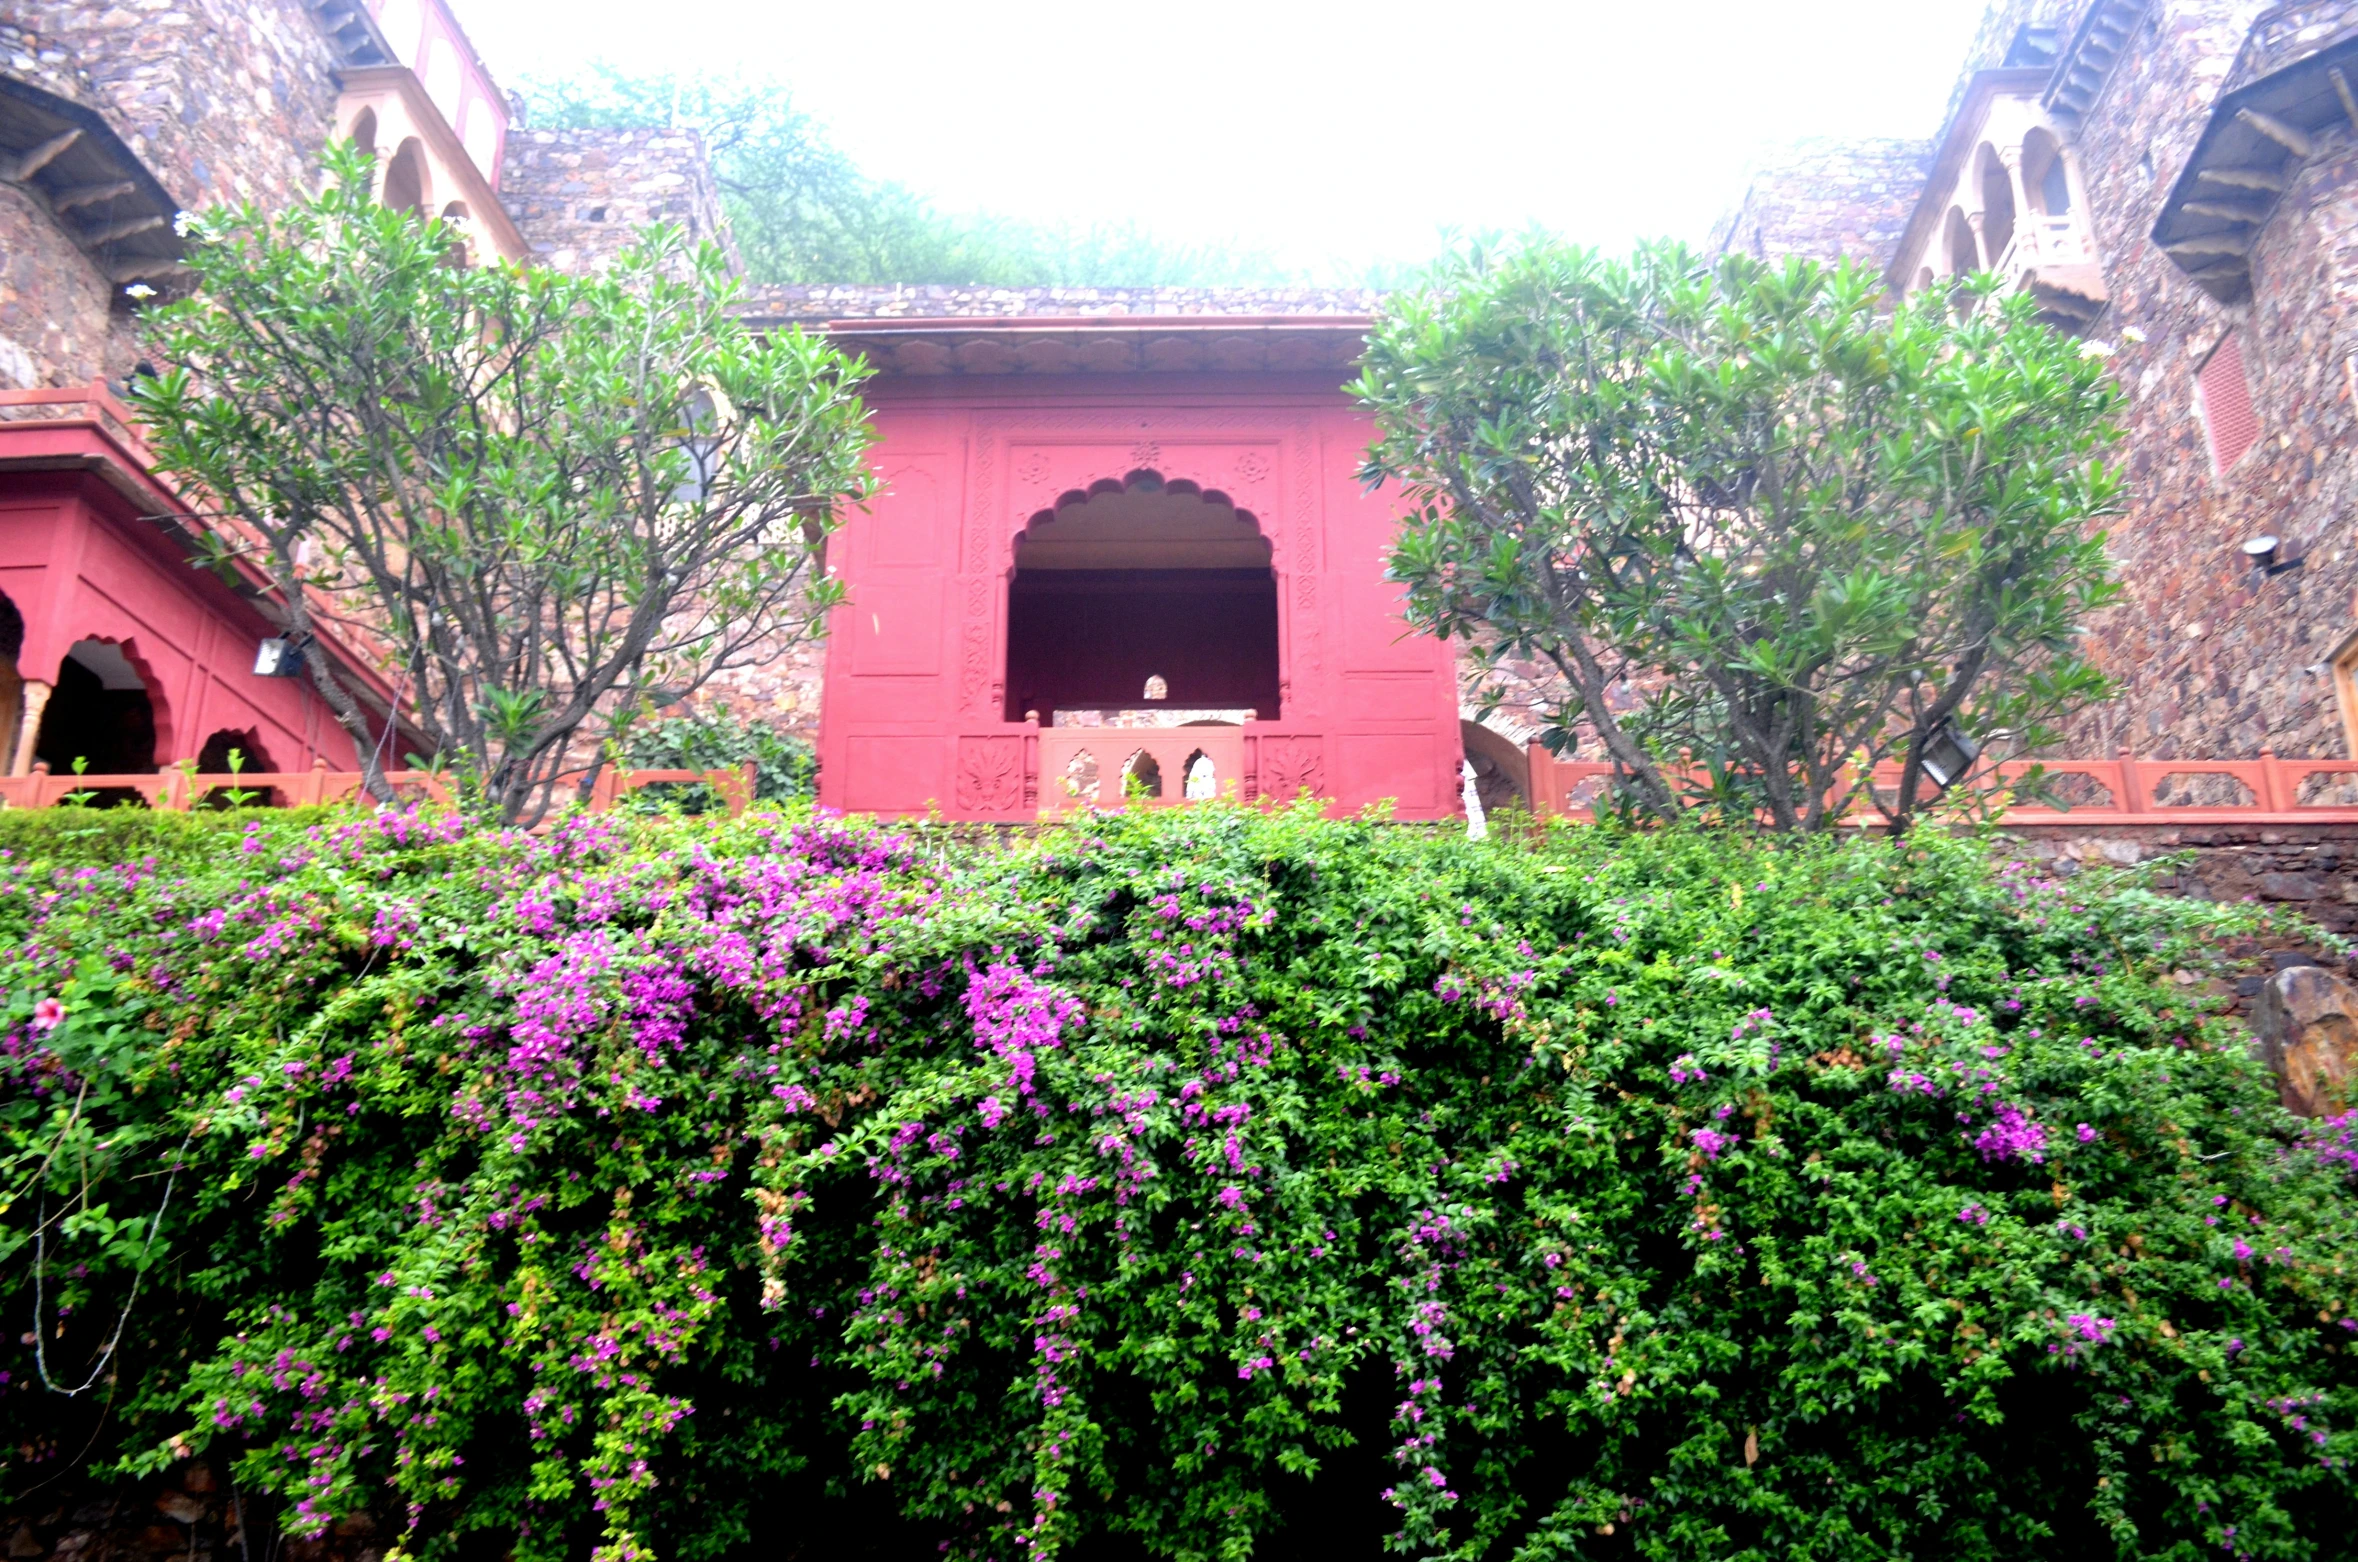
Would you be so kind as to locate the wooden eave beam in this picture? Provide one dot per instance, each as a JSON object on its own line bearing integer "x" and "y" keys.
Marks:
{"x": 2291, "y": 139}
{"x": 2245, "y": 179}
{"x": 2341, "y": 89}
{"x": 35, "y": 158}
{"x": 90, "y": 194}
{"x": 116, "y": 232}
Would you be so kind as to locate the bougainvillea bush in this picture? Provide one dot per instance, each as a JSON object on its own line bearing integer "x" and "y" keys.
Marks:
{"x": 1211, "y": 1184}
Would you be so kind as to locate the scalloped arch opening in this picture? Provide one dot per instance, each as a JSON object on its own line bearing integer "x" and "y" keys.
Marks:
{"x": 107, "y": 709}
{"x": 1142, "y": 521}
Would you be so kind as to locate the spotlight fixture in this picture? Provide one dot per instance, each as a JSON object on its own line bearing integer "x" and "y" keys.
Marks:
{"x": 1949, "y": 751}
{"x": 278, "y": 658}
{"x": 2266, "y": 555}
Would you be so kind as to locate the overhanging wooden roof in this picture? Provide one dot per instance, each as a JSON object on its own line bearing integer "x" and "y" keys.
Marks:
{"x": 2254, "y": 147}
{"x": 100, "y": 193}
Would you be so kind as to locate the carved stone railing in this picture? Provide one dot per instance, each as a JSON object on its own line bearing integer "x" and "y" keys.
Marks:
{"x": 2121, "y": 790}
{"x": 1119, "y": 752}
{"x": 178, "y": 790}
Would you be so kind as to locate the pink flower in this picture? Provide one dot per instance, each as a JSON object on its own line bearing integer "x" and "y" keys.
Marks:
{"x": 48, "y": 1014}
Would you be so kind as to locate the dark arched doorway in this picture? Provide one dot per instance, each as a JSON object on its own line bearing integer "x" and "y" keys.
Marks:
{"x": 101, "y": 713}
{"x": 1502, "y": 772}
{"x": 1142, "y": 597}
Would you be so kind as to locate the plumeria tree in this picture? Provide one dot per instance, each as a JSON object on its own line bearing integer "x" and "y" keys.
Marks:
{"x": 1818, "y": 531}
{"x": 550, "y": 501}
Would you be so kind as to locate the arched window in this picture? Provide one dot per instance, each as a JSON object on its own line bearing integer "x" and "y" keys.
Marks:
{"x": 252, "y": 758}
{"x": 2044, "y": 173}
{"x": 1142, "y": 777}
{"x": 405, "y": 179}
{"x": 1138, "y": 593}
{"x": 460, "y": 222}
{"x": 1997, "y": 206}
{"x": 1964, "y": 254}
{"x": 2055, "y": 188}
{"x": 364, "y": 132}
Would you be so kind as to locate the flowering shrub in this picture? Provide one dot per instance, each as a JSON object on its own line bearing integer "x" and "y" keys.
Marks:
{"x": 1164, "y": 1181}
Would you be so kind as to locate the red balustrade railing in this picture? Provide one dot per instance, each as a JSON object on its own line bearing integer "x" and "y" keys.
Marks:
{"x": 179, "y": 790}
{"x": 2122, "y": 790}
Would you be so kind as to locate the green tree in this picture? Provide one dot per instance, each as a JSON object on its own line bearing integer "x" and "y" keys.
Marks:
{"x": 1822, "y": 532}
{"x": 783, "y": 765}
{"x": 802, "y": 211}
{"x": 550, "y": 500}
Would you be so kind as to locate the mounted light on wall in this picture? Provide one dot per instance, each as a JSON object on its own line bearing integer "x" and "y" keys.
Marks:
{"x": 279, "y": 658}
{"x": 2266, "y": 553}
{"x": 1948, "y": 752}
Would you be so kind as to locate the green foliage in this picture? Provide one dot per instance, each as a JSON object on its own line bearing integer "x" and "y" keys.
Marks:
{"x": 1815, "y": 532}
{"x": 1205, "y": 1181}
{"x": 784, "y": 768}
{"x": 802, "y": 211}
{"x": 545, "y": 496}
{"x": 43, "y": 838}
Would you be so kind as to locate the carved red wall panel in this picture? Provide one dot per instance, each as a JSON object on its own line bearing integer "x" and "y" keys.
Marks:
{"x": 918, "y": 698}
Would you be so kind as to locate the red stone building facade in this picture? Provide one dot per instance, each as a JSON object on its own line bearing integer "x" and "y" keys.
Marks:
{"x": 1122, "y": 544}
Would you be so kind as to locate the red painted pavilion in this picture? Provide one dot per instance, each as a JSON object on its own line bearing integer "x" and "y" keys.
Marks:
{"x": 1119, "y": 556}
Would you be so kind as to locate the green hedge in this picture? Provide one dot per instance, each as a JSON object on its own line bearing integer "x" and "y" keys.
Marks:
{"x": 1163, "y": 1186}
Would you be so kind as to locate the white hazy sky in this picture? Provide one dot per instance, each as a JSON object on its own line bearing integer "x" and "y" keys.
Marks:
{"x": 1323, "y": 132}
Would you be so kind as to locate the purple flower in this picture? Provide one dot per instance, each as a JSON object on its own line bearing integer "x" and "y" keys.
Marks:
{"x": 2012, "y": 1137}
{"x": 2094, "y": 1330}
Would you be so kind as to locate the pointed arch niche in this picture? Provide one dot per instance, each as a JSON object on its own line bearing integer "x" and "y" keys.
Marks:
{"x": 1142, "y": 582}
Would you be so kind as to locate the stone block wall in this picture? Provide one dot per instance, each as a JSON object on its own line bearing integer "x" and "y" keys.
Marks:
{"x": 2311, "y": 869}
{"x": 61, "y": 323}
{"x": 817, "y": 302}
{"x": 1825, "y": 198}
{"x": 580, "y": 196}
{"x": 190, "y": 1513}
{"x": 2212, "y": 661}
{"x": 222, "y": 100}
{"x": 782, "y": 692}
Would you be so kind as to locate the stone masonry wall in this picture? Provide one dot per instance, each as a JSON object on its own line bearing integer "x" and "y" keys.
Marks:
{"x": 2213, "y": 662}
{"x": 2000, "y": 25}
{"x": 223, "y": 100}
{"x": 60, "y": 323}
{"x": 580, "y": 196}
{"x": 1825, "y": 198}
{"x": 813, "y": 302}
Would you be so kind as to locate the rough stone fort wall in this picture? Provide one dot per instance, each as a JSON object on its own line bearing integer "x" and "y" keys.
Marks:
{"x": 223, "y": 100}
{"x": 2213, "y": 658}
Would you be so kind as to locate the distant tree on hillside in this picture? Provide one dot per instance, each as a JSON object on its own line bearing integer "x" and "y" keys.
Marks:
{"x": 803, "y": 211}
